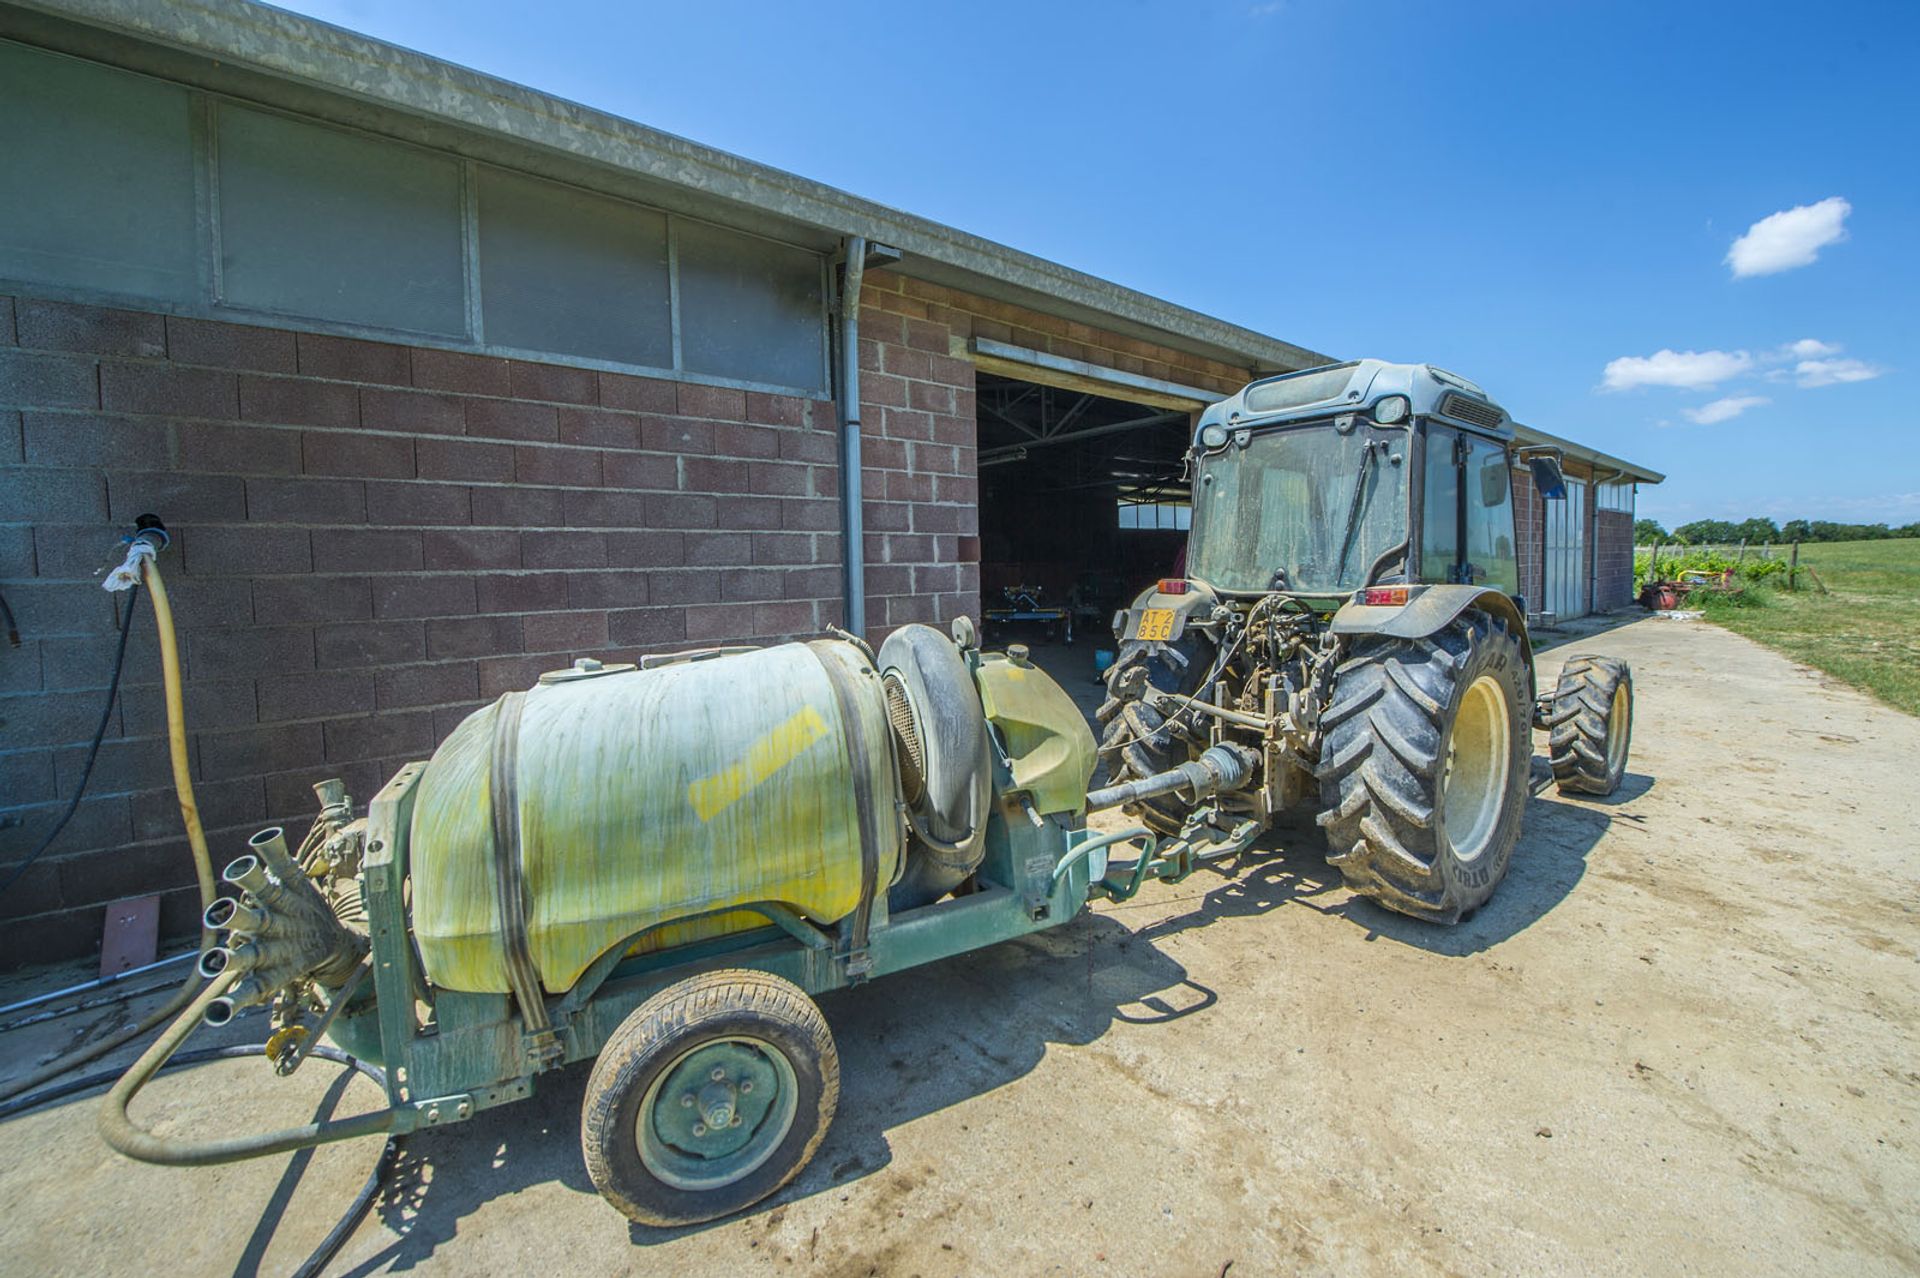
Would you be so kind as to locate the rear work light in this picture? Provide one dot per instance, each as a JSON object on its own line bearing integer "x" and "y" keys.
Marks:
{"x": 1171, "y": 586}
{"x": 1383, "y": 596}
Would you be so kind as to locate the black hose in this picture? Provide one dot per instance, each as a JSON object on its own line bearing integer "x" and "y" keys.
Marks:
{"x": 93, "y": 751}
{"x": 318, "y": 1258}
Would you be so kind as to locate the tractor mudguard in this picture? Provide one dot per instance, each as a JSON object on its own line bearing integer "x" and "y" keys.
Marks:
{"x": 1429, "y": 610}
{"x": 1196, "y": 604}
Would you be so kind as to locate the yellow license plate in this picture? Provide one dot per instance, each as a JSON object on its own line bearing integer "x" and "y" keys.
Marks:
{"x": 1155, "y": 623}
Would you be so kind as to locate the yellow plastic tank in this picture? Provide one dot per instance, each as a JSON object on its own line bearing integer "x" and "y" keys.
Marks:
{"x": 646, "y": 796}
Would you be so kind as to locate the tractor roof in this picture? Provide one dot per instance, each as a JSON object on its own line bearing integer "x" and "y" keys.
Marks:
{"x": 1355, "y": 387}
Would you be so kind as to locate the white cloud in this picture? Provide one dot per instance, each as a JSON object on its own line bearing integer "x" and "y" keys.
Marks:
{"x": 1831, "y": 372}
{"x": 1790, "y": 238}
{"x": 1689, "y": 370}
{"x": 1722, "y": 410}
{"x": 1808, "y": 348}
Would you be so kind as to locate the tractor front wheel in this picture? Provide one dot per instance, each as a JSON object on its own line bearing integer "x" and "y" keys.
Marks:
{"x": 1591, "y": 725}
{"x": 1423, "y": 772}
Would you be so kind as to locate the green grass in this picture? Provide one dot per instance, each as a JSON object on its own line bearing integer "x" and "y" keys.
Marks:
{"x": 1866, "y": 632}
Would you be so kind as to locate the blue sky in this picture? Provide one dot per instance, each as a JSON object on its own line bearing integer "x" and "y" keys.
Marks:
{"x": 1523, "y": 192}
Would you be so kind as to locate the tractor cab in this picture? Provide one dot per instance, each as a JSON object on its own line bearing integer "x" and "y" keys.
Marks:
{"x": 1320, "y": 483}
{"x": 1349, "y": 631}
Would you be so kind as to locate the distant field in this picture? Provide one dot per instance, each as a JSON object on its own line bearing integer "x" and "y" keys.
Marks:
{"x": 1866, "y": 632}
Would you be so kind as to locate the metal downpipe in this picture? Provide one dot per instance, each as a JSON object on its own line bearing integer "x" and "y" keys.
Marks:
{"x": 853, "y": 555}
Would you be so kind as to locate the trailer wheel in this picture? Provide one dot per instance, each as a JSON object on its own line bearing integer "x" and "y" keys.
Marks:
{"x": 711, "y": 1095}
{"x": 1423, "y": 769}
{"x": 1590, "y": 725}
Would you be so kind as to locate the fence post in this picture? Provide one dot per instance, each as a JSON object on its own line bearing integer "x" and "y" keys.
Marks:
{"x": 1793, "y": 568}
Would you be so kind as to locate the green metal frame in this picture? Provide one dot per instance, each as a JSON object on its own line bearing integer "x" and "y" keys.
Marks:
{"x": 467, "y": 1053}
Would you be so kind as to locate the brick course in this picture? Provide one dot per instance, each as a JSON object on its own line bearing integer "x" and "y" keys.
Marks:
{"x": 370, "y": 541}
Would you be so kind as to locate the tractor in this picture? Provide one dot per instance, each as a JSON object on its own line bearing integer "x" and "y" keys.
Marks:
{"x": 1349, "y": 633}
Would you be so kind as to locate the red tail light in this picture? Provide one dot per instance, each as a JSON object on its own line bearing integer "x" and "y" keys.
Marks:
{"x": 1383, "y": 596}
{"x": 1171, "y": 585}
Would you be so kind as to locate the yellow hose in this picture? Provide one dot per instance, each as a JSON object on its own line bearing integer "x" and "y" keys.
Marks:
{"x": 196, "y": 839}
{"x": 177, "y": 739}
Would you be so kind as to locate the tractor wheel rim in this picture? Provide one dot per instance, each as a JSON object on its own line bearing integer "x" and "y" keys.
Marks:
{"x": 717, "y": 1113}
{"x": 1479, "y": 760}
{"x": 1619, "y": 717}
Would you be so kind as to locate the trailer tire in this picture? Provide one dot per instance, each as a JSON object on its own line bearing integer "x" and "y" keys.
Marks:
{"x": 1423, "y": 769}
{"x": 1136, "y": 741}
{"x": 1590, "y": 725}
{"x": 743, "y": 1050}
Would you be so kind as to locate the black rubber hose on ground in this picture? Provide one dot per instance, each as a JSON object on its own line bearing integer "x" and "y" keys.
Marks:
{"x": 318, "y": 1258}
{"x": 93, "y": 750}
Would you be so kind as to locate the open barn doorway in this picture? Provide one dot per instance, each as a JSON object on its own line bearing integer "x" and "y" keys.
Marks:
{"x": 1083, "y": 501}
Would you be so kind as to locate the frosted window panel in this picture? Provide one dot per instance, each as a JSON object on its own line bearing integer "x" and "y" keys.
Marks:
{"x": 337, "y": 226}
{"x": 96, "y": 179}
{"x": 750, "y": 309}
{"x": 573, "y": 273}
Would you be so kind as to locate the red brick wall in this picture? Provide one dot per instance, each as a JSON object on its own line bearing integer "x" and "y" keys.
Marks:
{"x": 370, "y": 541}
{"x": 374, "y": 539}
{"x": 920, "y": 487}
{"x": 1613, "y": 539}
{"x": 919, "y": 434}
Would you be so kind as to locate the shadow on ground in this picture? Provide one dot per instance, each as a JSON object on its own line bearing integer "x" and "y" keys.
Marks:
{"x": 918, "y": 1042}
{"x": 1549, "y": 862}
{"x": 1575, "y": 633}
{"x": 910, "y": 1045}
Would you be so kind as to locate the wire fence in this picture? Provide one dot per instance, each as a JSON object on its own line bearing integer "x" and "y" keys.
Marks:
{"x": 1737, "y": 550}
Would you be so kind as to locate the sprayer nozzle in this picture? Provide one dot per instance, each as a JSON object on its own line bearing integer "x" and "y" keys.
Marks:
{"x": 247, "y": 873}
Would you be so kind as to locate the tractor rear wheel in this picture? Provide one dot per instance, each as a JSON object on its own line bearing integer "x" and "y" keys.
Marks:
{"x": 1590, "y": 725}
{"x": 1423, "y": 772}
{"x": 1136, "y": 740}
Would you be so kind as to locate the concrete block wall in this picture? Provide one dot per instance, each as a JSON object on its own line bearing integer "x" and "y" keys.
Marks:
{"x": 1613, "y": 575}
{"x": 371, "y": 540}
{"x": 921, "y": 480}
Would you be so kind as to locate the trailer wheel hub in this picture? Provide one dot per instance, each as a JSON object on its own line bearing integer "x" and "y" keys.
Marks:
{"x": 717, "y": 1112}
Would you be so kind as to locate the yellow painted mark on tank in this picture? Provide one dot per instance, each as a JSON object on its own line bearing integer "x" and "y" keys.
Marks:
{"x": 712, "y": 795}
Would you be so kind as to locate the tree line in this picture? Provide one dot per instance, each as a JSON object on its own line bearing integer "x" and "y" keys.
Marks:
{"x": 1755, "y": 532}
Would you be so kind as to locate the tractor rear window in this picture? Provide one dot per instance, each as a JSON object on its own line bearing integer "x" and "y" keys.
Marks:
{"x": 1316, "y": 506}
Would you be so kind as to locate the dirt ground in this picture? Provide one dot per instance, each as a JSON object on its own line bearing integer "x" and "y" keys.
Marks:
{"x": 1682, "y": 1038}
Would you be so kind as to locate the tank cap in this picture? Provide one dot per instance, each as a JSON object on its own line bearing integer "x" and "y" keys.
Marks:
{"x": 1018, "y": 654}
{"x": 585, "y": 668}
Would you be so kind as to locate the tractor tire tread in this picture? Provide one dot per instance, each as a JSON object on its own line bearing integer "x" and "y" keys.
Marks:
{"x": 1381, "y": 764}
{"x": 1578, "y": 722}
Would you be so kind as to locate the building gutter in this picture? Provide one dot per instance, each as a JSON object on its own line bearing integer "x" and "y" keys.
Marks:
{"x": 1529, "y": 436}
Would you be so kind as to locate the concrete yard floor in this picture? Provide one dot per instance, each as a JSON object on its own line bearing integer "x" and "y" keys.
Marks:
{"x": 1682, "y": 1038}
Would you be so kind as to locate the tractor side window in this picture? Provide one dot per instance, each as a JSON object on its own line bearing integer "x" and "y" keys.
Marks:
{"x": 1490, "y": 547}
{"x": 1440, "y": 506}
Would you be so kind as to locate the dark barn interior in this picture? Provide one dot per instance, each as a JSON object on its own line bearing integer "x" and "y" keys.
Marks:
{"x": 1083, "y": 501}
